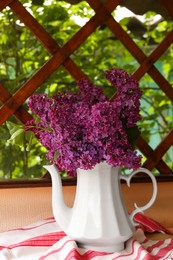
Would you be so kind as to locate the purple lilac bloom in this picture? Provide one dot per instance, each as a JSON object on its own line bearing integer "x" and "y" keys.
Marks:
{"x": 129, "y": 94}
{"x": 82, "y": 129}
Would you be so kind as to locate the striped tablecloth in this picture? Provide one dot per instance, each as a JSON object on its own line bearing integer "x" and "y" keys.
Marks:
{"x": 45, "y": 241}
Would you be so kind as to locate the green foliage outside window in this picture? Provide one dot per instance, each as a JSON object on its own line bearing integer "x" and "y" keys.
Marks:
{"x": 21, "y": 55}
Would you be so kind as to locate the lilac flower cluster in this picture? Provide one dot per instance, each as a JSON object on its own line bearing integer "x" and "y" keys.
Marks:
{"x": 81, "y": 129}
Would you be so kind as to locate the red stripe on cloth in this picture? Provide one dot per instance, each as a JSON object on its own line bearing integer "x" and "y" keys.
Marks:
{"x": 156, "y": 245}
{"x": 46, "y": 240}
{"x": 92, "y": 254}
{"x": 129, "y": 254}
{"x": 163, "y": 251}
{"x": 74, "y": 254}
{"x": 140, "y": 250}
{"x": 55, "y": 251}
{"x": 33, "y": 227}
{"x": 49, "y": 218}
{"x": 149, "y": 225}
{"x": 151, "y": 257}
{"x": 2, "y": 247}
{"x": 86, "y": 256}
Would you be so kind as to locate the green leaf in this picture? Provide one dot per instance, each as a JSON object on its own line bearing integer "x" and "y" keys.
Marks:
{"x": 16, "y": 132}
{"x": 17, "y": 138}
{"x": 12, "y": 127}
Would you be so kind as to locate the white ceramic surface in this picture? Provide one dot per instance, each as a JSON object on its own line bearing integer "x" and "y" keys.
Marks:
{"x": 98, "y": 220}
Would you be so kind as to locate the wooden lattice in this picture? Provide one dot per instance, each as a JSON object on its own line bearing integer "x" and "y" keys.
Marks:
{"x": 60, "y": 56}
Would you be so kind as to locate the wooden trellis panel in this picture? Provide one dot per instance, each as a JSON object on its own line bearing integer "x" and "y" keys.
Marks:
{"x": 60, "y": 56}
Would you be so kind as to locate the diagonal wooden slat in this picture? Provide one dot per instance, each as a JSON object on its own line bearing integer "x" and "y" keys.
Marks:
{"x": 20, "y": 113}
{"x": 161, "y": 166}
{"x": 158, "y": 153}
{"x": 154, "y": 56}
{"x": 168, "y": 5}
{"x": 140, "y": 57}
{"x": 4, "y": 3}
{"x": 54, "y": 62}
{"x": 49, "y": 43}
{"x": 135, "y": 51}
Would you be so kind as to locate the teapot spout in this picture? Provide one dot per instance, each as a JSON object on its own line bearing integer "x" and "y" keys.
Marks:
{"x": 61, "y": 212}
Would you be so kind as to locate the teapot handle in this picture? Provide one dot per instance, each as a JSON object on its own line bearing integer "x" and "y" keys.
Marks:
{"x": 151, "y": 201}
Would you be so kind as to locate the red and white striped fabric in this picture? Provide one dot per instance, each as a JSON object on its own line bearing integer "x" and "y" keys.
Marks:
{"x": 45, "y": 241}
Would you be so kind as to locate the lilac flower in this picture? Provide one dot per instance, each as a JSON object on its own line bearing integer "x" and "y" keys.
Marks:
{"x": 128, "y": 97}
{"x": 82, "y": 129}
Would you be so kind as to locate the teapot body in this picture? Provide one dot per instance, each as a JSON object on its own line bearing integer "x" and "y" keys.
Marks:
{"x": 99, "y": 219}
